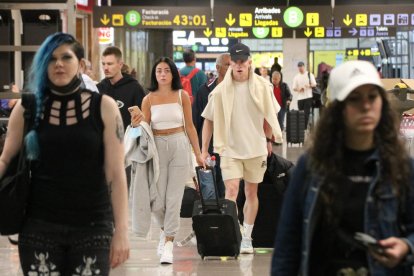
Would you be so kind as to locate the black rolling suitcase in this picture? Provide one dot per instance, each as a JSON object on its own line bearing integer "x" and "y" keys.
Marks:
{"x": 215, "y": 224}
{"x": 295, "y": 127}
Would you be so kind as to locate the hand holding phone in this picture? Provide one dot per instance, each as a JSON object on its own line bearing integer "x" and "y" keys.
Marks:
{"x": 136, "y": 115}
{"x": 134, "y": 110}
{"x": 369, "y": 242}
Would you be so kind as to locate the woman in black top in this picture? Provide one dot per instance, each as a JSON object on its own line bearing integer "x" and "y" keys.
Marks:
{"x": 78, "y": 184}
{"x": 356, "y": 177}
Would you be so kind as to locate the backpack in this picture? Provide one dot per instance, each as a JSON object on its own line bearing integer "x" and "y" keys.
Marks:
{"x": 186, "y": 82}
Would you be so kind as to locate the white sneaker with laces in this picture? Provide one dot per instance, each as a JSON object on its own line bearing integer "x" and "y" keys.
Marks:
{"x": 167, "y": 254}
{"x": 246, "y": 246}
{"x": 160, "y": 247}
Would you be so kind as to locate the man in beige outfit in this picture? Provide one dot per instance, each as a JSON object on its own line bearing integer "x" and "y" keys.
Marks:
{"x": 242, "y": 110}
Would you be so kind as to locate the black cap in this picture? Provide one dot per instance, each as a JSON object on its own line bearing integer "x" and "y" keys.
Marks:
{"x": 239, "y": 51}
{"x": 300, "y": 64}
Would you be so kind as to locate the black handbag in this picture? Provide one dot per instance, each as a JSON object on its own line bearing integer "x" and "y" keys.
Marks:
{"x": 316, "y": 95}
{"x": 15, "y": 183}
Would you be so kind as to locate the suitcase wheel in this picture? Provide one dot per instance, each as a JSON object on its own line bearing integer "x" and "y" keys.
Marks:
{"x": 202, "y": 257}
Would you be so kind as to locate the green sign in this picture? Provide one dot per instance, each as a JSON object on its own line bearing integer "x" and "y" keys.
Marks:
{"x": 293, "y": 17}
{"x": 133, "y": 18}
{"x": 261, "y": 32}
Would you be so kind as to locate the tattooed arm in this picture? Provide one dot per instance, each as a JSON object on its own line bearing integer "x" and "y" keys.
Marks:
{"x": 116, "y": 178}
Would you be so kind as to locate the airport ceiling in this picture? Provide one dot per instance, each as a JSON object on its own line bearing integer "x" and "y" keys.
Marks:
{"x": 256, "y": 2}
{"x": 229, "y": 2}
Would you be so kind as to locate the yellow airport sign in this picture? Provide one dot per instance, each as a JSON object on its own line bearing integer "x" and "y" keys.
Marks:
{"x": 277, "y": 32}
{"x": 118, "y": 20}
{"x": 230, "y": 20}
{"x": 361, "y": 20}
{"x": 312, "y": 19}
{"x": 246, "y": 19}
{"x": 221, "y": 32}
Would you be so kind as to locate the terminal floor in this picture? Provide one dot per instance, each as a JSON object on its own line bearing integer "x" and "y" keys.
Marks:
{"x": 145, "y": 262}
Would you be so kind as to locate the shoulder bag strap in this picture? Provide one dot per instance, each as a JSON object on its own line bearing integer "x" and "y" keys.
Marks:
{"x": 192, "y": 73}
{"x": 29, "y": 104}
{"x": 182, "y": 110}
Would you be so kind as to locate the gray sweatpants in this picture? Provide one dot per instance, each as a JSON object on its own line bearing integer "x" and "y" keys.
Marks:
{"x": 174, "y": 152}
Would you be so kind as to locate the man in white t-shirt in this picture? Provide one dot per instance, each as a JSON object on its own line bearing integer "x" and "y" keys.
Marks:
{"x": 242, "y": 110}
{"x": 302, "y": 84}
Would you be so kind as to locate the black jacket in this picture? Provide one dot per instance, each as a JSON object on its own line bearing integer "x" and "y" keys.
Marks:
{"x": 286, "y": 95}
{"x": 126, "y": 92}
{"x": 199, "y": 104}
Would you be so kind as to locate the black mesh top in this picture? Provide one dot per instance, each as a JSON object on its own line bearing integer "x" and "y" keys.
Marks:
{"x": 68, "y": 181}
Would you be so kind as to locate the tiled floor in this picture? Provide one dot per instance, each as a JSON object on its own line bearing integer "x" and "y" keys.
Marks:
{"x": 187, "y": 262}
{"x": 144, "y": 261}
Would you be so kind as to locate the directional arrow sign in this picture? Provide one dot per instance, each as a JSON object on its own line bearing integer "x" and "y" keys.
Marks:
{"x": 347, "y": 20}
{"x": 353, "y": 31}
{"x": 230, "y": 20}
{"x": 308, "y": 32}
{"x": 207, "y": 32}
{"x": 105, "y": 20}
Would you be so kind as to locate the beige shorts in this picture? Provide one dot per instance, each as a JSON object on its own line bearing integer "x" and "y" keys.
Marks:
{"x": 251, "y": 170}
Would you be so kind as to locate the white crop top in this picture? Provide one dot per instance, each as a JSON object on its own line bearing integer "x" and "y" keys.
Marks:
{"x": 165, "y": 116}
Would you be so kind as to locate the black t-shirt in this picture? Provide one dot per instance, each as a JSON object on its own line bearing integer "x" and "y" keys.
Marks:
{"x": 333, "y": 246}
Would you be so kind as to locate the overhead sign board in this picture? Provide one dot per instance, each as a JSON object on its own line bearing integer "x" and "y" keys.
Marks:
{"x": 374, "y": 15}
{"x": 282, "y": 16}
{"x": 151, "y": 17}
{"x": 339, "y": 32}
{"x": 361, "y": 52}
{"x": 263, "y": 22}
{"x": 200, "y": 17}
{"x": 238, "y": 32}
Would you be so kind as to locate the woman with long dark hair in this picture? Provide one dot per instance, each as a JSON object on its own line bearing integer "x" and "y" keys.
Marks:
{"x": 355, "y": 178}
{"x": 77, "y": 212}
{"x": 167, "y": 109}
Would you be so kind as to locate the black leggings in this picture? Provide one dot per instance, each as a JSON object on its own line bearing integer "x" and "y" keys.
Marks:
{"x": 53, "y": 249}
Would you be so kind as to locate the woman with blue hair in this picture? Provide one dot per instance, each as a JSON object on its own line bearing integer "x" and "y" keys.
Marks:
{"x": 78, "y": 184}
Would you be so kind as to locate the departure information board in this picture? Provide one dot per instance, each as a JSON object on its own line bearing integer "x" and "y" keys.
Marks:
{"x": 263, "y": 22}
{"x": 151, "y": 17}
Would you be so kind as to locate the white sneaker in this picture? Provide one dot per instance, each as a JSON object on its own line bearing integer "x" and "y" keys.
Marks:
{"x": 160, "y": 247}
{"x": 246, "y": 246}
{"x": 167, "y": 254}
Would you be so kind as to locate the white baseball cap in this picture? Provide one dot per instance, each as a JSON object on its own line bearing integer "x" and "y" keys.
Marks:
{"x": 349, "y": 75}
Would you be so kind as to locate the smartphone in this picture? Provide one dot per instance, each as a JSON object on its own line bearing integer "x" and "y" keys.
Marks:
{"x": 134, "y": 109}
{"x": 369, "y": 242}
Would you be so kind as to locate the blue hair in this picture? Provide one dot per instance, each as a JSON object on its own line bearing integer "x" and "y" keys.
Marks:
{"x": 38, "y": 80}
